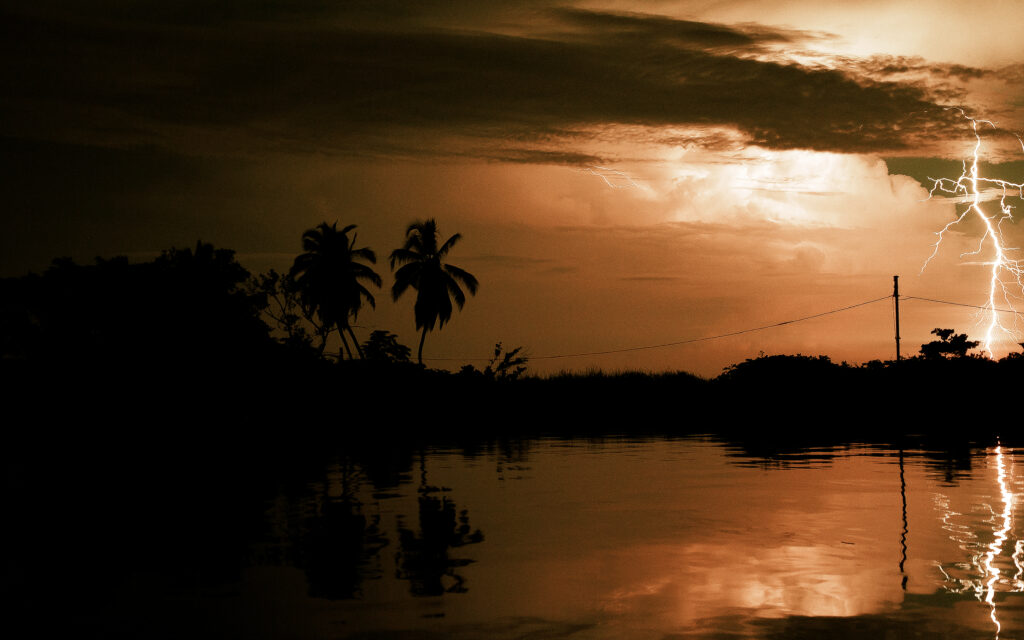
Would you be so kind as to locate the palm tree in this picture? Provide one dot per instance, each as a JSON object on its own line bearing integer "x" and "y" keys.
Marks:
{"x": 330, "y": 277}
{"x": 435, "y": 282}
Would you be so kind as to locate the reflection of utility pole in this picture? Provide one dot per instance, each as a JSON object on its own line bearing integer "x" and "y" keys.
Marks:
{"x": 903, "y": 535}
{"x": 896, "y": 302}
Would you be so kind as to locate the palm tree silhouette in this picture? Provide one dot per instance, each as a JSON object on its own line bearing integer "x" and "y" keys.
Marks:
{"x": 330, "y": 277}
{"x": 435, "y": 282}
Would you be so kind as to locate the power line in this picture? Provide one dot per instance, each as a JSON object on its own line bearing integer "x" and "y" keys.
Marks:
{"x": 691, "y": 340}
{"x": 959, "y": 304}
{"x": 733, "y": 333}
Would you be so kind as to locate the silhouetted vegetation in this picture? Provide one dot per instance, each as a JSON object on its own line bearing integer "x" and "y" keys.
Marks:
{"x": 420, "y": 265}
{"x": 504, "y": 365}
{"x": 193, "y": 340}
{"x": 187, "y": 306}
{"x": 330, "y": 278}
{"x": 383, "y": 346}
{"x": 297, "y": 325}
{"x": 949, "y": 345}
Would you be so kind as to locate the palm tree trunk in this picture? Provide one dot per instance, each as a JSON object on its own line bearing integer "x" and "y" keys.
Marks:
{"x": 344, "y": 344}
{"x": 359, "y": 349}
{"x": 323, "y": 333}
{"x": 419, "y": 354}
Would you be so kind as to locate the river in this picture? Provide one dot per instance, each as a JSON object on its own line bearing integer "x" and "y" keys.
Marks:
{"x": 695, "y": 537}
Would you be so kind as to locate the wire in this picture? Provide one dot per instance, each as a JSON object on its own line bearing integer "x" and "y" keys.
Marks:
{"x": 959, "y": 304}
{"x": 691, "y": 340}
{"x": 733, "y": 333}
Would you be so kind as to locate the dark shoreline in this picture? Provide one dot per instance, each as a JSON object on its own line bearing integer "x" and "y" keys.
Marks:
{"x": 779, "y": 397}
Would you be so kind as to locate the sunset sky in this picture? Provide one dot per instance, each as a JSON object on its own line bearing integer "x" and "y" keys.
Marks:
{"x": 623, "y": 173}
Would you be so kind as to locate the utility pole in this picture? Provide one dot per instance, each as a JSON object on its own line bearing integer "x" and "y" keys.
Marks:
{"x": 896, "y": 302}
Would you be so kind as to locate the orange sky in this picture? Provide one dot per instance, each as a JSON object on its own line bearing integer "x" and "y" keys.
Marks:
{"x": 760, "y": 161}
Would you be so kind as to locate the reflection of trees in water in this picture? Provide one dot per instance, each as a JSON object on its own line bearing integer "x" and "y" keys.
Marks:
{"x": 320, "y": 526}
{"x": 951, "y": 464}
{"x": 424, "y": 559}
{"x": 509, "y": 450}
{"x": 325, "y": 532}
{"x": 946, "y": 458}
{"x": 901, "y": 624}
{"x": 387, "y": 466}
{"x": 341, "y": 544}
{"x": 510, "y": 454}
{"x": 339, "y": 548}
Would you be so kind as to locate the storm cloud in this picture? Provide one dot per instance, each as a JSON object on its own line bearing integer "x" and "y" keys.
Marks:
{"x": 376, "y": 79}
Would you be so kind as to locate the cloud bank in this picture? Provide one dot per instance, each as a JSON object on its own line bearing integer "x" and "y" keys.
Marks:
{"x": 380, "y": 79}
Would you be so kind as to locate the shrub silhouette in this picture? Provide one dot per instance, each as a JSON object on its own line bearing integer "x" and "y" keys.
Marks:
{"x": 383, "y": 346}
{"x": 949, "y": 345}
{"x": 186, "y": 304}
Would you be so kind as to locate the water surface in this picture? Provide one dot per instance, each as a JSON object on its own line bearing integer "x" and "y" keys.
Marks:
{"x": 660, "y": 538}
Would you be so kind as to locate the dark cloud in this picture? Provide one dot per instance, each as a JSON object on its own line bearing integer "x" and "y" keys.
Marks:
{"x": 900, "y": 65}
{"x": 562, "y": 270}
{"x": 82, "y": 201}
{"x": 674, "y": 32}
{"x": 927, "y": 170}
{"x": 508, "y": 261}
{"x": 365, "y": 76}
{"x": 540, "y": 156}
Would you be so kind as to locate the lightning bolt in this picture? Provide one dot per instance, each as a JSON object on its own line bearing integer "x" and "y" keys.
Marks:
{"x": 1006, "y": 280}
{"x": 613, "y": 177}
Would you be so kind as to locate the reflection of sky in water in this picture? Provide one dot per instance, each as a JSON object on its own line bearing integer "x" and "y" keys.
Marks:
{"x": 649, "y": 539}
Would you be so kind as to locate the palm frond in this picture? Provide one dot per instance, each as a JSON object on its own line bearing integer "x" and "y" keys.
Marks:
{"x": 444, "y": 310}
{"x": 402, "y": 256}
{"x": 448, "y": 244}
{"x": 456, "y": 292}
{"x": 399, "y": 288}
{"x": 465, "y": 278}
{"x": 414, "y": 237}
{"x": 414, "y": 228}
{"x": 363, "y": 291}
{"x": 363, "y": 272}
{"x": 406, "y": 276}
{"x": 365, "y": 253}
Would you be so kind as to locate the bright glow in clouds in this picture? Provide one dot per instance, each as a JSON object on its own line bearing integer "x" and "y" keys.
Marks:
{"x": 933, "y": 29}
{"x": 797, "y": 188}
{"x": 1006, "y": 281}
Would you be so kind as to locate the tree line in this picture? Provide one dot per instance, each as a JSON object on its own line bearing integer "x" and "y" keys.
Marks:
{"x": 192, "y": 306}
{"x": 200, "y": 305}
{"x": 327, "y": 285}
{"x": 193, "y": 329}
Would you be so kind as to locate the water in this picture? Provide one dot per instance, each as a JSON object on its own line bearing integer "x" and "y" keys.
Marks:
{"x": 681, "y": 538}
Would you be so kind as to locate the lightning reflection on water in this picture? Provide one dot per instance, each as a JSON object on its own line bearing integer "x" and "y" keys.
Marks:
{"x": 983, "y": 578}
